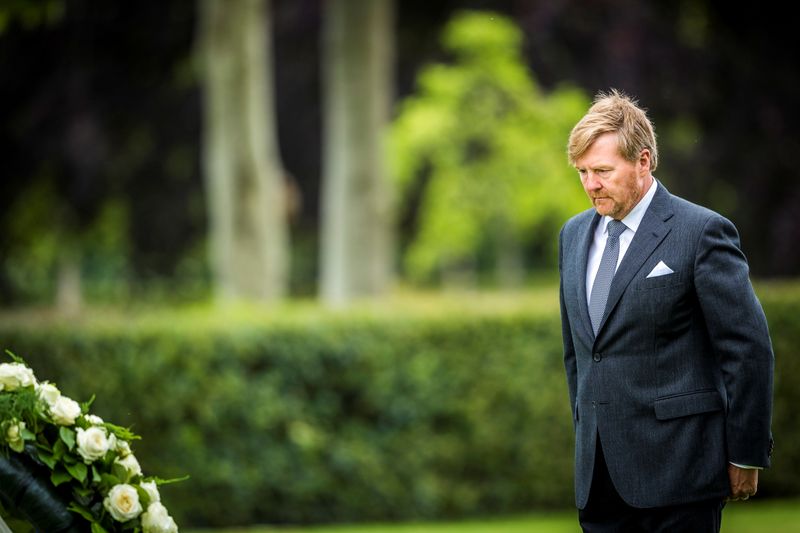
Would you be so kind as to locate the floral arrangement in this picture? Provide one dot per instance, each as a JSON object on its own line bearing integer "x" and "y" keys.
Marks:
{"x": 90, "y": 461}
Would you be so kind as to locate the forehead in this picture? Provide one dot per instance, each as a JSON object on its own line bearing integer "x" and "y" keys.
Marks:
{"x": 604, "y": 150}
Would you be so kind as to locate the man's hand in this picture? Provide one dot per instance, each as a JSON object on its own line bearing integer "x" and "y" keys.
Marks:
{"x": 744, "y": 482}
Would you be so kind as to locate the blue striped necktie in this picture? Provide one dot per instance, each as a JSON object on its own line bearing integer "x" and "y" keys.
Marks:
{"x": 605, "y": 273}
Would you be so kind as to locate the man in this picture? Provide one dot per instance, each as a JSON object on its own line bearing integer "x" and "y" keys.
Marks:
{"x": 668, "y": 357}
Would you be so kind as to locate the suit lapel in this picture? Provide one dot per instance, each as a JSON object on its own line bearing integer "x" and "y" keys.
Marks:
{"x": 652, "y": 230}
{"x": 583, "y": 259}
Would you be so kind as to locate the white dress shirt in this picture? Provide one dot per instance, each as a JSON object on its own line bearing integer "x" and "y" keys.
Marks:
{"x": 631, "y": 222}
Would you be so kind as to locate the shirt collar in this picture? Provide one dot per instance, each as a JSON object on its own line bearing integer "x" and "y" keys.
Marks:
{"x": 636, "y": 215}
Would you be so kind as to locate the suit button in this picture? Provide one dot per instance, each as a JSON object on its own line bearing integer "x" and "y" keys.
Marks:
{"x": 597, "y": 357}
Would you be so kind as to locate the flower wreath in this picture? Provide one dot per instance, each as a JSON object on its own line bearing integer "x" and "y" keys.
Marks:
{"x": 95, "y": 479}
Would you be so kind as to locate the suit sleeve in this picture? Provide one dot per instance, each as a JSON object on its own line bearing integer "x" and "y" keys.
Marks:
{"x": 566, "y": 333}
{"x": 740, "y": 339}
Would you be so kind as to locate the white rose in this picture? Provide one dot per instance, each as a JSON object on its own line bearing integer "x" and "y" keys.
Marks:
{"x": 48, "y": 393}
{"x": 123, "y": 448}
{"x": 151, "y": 489}
{"x": 122, "y": 503}
{"x": 15, "y": 375}
{"x": 65, "y": 411}
{"x": 112, "y": 442}
{"x": 158, "y": 520}
{"x": 130, "y": 465}
{"x": 14, "y": 436}
{"x": 94, "y": 420}
{"x": 92, "y": 443}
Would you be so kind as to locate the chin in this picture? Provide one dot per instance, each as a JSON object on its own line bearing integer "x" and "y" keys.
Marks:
{"x": 608, "y": 209}
{"x": 603, "y": 206}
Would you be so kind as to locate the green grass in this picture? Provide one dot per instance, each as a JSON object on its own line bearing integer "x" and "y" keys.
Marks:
{"x": 762, "y": 517}
{"x": 738, "y": 517}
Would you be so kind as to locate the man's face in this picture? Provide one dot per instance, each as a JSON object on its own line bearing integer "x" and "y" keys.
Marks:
{"x": 613, "y": 184}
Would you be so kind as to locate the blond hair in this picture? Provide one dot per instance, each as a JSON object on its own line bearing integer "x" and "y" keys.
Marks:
{"x": 614, "y": 112}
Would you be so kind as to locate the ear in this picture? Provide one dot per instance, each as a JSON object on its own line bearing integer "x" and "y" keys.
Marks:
{"x": 644, "y": 161}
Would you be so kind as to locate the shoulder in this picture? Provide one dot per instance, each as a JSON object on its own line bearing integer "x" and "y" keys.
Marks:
{"x": 702, "y": 225}
{"x": 695, "y": 215}
{"x": 578, "y": 221}
{"x": 688, "y": 210}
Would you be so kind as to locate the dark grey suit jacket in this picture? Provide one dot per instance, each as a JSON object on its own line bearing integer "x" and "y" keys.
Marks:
{"x": 678, "y": 380}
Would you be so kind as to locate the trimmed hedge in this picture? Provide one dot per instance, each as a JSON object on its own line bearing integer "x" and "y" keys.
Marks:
{"x": 325, "y": 417}
{"x": 781, "y": 303}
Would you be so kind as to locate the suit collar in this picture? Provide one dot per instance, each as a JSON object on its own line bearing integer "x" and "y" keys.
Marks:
{"x": 660, "y": 206}
{"x": 587, "y": 235}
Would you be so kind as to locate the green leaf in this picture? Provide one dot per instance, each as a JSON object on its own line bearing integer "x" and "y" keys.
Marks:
{"x": 70, "y": 459}
{"x": 83, "y": 511}
{"x": 19, "y": 526}
{"x": 68, "y": 436}
{"x": 87, "y": 404}
{"x": 59, "y": 449}
{"x": 48, "y": 459}
{"x": 43, "y": 443}
{"x": 120, "y": 472}
{"x": 97, "y": 528}
{"x": 57, "y": 477}
{"x": 144, "y": 497}
{"x": 109, "y": 481}
{"x": 160, "y": 481}
{"x": 121, "y": 432}
{"x": 15, "y": 357}
{"x": 78, "y": 471}
{"x": 84, "y": 492}
{"x": 27, "y": 434}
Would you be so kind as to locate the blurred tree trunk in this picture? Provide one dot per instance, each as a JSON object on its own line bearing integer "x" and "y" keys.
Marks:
{"x": 247, "y": 217}
{"x": 69, "y": 293}
{"x": 356, "y": 219}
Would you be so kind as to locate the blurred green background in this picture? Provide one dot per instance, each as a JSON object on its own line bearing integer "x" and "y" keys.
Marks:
{"x": 307, "y": 249}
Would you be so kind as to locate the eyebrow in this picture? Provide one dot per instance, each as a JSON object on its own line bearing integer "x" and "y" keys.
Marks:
{"x": 600, "y": 166}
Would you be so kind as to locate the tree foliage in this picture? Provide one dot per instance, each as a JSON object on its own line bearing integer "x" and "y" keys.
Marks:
{"x": 37, "y": 241}
{"x": 491, "y": 145}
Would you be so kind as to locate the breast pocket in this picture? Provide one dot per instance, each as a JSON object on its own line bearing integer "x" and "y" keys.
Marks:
{"x": 660, "y": 282}
{"x": 667, "y": 300}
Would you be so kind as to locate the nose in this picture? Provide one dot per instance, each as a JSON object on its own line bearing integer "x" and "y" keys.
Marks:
{"x": 592, "y": 183}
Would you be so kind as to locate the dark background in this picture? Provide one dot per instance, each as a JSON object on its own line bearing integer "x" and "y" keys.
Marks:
{"x": 103, "y": 99}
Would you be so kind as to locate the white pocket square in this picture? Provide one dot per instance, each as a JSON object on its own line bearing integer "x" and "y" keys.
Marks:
{"x": 661, "y": 269}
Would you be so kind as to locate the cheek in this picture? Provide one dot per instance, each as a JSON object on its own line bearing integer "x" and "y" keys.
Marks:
{"x": 610, "y": 190}
{"x": 620, "y": 193}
